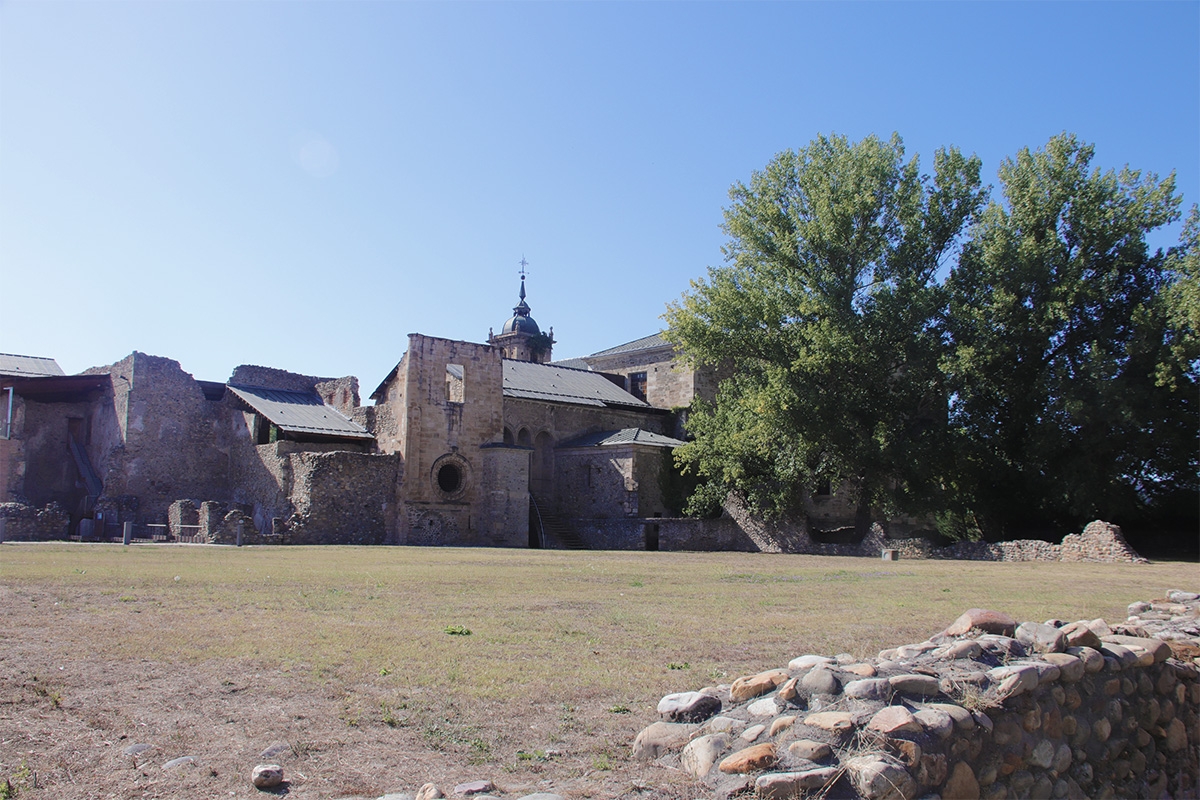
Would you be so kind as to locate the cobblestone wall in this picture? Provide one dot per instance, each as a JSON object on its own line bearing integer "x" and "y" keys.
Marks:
{"x": 985, "y": 709}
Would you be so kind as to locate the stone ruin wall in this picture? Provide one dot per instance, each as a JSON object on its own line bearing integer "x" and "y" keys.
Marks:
{"x": 342, "y": 497}
{"x": 985, "y": 709}
{"x": 169, "y": 447}
{"x": 26, "y": 523}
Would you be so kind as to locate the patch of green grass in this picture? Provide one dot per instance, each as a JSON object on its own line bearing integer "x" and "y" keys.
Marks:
{"x": 388, "y": 715}
{"x": 458, "y": 630}
{"x": 21, "y": 778}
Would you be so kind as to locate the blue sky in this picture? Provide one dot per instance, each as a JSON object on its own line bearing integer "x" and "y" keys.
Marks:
{"x": 301, "y": 185}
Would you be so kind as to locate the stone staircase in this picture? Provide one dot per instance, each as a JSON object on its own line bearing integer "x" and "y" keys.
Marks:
{"x": 556, "y": 533}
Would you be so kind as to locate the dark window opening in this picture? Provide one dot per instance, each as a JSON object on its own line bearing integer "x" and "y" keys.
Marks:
{"x": 637, "y": 385}
{"x": 262, "y": 430}
{"x": 824, "y": 489}
{"x": 449, "y": 478}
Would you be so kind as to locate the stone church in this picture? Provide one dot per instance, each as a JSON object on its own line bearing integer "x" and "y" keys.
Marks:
{"x": 492, "y": 444}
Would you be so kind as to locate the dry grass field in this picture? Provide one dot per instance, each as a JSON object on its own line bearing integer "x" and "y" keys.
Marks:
{"x": 383, "y": 668}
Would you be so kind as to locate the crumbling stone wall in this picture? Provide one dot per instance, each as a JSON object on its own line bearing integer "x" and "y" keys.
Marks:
{"x": 1100, "y": 541}
{"x": 342, "y": 393}
{"x": 171, "y": 445}
{"x": 341, "y": 497}
{"x": 279, "y": 379}
{"x": 23, "y": 522}
{"x": 183, "y": 519}
{"x": 48, "y": 472}
{"x": 985, "y": 709}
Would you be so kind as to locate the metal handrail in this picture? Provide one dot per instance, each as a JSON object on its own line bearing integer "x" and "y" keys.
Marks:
{"x": 541, "y": 529}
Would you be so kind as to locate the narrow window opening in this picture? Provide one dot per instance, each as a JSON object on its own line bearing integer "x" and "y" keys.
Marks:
{"x": 637, "y": 385}
{"x": 454, "y": 383}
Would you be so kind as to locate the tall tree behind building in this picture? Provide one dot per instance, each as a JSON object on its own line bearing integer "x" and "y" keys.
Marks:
{"x": 829, "y": 312}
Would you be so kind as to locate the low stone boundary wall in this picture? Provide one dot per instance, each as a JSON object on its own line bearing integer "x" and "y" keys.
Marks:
{"x": 666, "y": 533}
{"x": 27, "y": 523}
{"x": 985, "y": 709}
{"x": 1100, "y": 541}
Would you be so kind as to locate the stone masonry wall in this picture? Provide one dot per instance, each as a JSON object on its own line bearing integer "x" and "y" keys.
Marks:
{"x": 171, "y": 447}
{"x": 985, "y": 709}
{"x": 670, "y": 383}
{"x": 341, "y": 497}
{"x": 564, "y": 421}
{"x": 438, "y": 432}
{"x": 27, "y": 523}
{"x": 279, "y": 379}
{"x": 595, "y": 482}
{"x": 504, "y": 521}
{"x": 675, "y": 534}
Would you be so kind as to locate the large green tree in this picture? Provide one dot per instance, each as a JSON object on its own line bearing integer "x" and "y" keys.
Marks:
{"x": 1072, "y": 393}
{"x": 828, "y": 315}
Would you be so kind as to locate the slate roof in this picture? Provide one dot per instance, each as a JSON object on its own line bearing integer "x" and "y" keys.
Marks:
{"x": 645, "y": 343}
{"x": 300, "y": 412}
{"x": 526, "y": 380}
{"x": 570, "y": 363}
{"x": 623, "y": 436}
{"x": 28, "y": 366}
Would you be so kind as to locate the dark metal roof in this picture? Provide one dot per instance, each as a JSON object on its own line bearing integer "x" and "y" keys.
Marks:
{"x": 300, "y": 412}
{"x": 28, "y": 366}
{"x": 570, "y": 363}
{"x": 623, "y": 436}
{"x": 57, "y": 388}
{"x": 645, "y": 343}
{"x": 526, "y": 380}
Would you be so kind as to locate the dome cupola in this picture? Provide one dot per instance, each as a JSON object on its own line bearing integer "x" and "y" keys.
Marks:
{"x": 521, "y": 339}
{"x": 521, "y": 322}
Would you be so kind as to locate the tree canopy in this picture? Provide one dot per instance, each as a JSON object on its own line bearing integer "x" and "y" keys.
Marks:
{"x": 1013, "y": 366}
